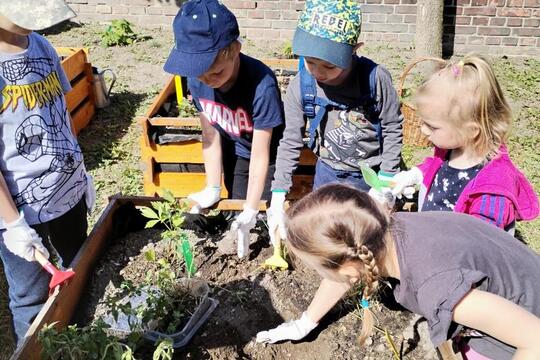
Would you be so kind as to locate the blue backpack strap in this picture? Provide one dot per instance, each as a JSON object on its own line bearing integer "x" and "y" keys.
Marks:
{"x": 310, "y": 101}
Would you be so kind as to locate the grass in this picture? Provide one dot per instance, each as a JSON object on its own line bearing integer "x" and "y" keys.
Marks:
{"x": 111, "y": 142}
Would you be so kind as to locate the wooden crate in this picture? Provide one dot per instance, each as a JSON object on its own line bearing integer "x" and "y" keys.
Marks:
{"x": 80, "y": 100}
{"x": 61, "y": 305}
{"x": 190, "y": 152}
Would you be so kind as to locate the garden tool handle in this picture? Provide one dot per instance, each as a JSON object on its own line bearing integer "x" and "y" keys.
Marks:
{"x": 277, "y": 243}
{"x": 44, "y": 262}
{"x": 112, "y": 81}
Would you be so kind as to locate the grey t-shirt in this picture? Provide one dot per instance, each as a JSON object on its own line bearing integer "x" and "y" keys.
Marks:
{"x": 442, "y": 255}
{"x": 346, "y": 138}
{"x": 40, "y": 158}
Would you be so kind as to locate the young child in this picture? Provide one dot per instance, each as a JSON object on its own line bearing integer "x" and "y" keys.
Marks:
{"x": 351, "y": 108}
{"x": 239, "y": 105}
{"x": 489, "y": 284}
{"x": 467, "y": 118}
{"x": 44, "y": 188}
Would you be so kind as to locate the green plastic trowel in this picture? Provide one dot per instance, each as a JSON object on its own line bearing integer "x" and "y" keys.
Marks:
{"x": 371, "y": 178}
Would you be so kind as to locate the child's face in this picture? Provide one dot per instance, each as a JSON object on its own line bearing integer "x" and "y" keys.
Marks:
{"x": 325, "y": 72}
{"x": 223, "y": 71}
{"x": 9, "y": 26}
{"x": 440, "y": 130}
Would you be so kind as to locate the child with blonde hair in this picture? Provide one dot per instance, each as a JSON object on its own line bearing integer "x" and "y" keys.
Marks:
{"x": 466, "y": 116}
{"x": 489, "y": 284}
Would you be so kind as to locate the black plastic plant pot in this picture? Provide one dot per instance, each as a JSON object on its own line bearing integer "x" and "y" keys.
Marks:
{"x": 199, "y": 289}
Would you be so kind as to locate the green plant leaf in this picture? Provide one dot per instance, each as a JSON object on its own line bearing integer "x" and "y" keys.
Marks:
{"x": 188, "y": 256}
{"x": 150, "y": 255}
{"x": 150, "y": 224}
{"x": 168, "y": 196}
{"x": 149, "y": 213}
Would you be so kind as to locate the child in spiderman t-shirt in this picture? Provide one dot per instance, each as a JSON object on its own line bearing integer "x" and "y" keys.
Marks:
{"x": 45, "y": 191}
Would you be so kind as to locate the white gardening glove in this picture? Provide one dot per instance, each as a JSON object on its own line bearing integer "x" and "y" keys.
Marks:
{"x": 90, "y": 194}
{"x": 384, "y": 196}
{"x": 204, "y": 199}
{"x": 405, "y": 181}
{"x": 276, "y": 216}
{"x": 292, "y": 330}
{"x": 242, "y": 225}
{"x": 21, "y": 239}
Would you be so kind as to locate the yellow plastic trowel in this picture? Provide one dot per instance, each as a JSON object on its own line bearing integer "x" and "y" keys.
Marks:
{"x": 276, "y": 261}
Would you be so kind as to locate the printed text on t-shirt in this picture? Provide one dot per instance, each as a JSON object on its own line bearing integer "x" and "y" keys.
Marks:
{"x": 234, "y": 122}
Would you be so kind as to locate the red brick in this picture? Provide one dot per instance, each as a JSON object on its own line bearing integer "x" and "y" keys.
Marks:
{"x": 465, "y": 30}
{"x": 373, "y": 1}
{"x": 409, "y": 19}
{"x": 514, "y": 22}
{"x": 405, "y": 9}
{"x": 526, "y": 32}
{"x": 377, "y": 18}
{"x": 390, "y": 37}
{"x": 154, "y": 10}
{"x": 484, "y": 10}
{"x": 255, "y": 23}
{"x": 271, "y": 14}
{"x": 290, "y": 15}
{"x": 286, "y": 34}
{"x": 527, "y": 41}
{"x": 170, "y": 10}
{"x": 463, "y": 20}
{"x": 241, "y": 4}
{"x": 297, "y": 6}
{"x": 531, "y": 3}
{"x": 258, "y": 14}
{"x": 531, "y": 22}
{"x": 480, "y": 20}
{"x": 383, "y": 9}
{"x": 515, "y": 12}
{"x": 412, "y": 2}
{"x": 104, "y": 9}
{"x": 285, "y": 5}
{"x": 391, "y": 1}
{"x": 268, "y": 5}
{"x": 511, "y": 41}
{"x": 463, "y": 2}
{"x": 493, "y": 40}
{"x": 475, "y": 40}
{"x": 479, "y": 2}
{"x": 284, "y": 24}
{"x": 395, "y": 19}
{"x": 515, "y": 3}
{"x": 497, "y": 21}
{"x": 498, "y": 31}
{"x": 497, "y": 3}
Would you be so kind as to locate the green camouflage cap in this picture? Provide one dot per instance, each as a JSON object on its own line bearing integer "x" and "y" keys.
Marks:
{"x": 36, "y": 14}
{"x": 338, "y": 21}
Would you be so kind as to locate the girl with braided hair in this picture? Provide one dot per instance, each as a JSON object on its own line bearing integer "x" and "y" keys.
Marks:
{"x": 462, "y": 274}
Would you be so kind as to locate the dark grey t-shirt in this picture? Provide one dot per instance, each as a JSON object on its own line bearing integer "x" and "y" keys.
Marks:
{"x": 442, "y": 255}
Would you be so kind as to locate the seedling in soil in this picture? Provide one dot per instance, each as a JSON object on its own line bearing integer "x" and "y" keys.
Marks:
{"x": 118, "y": 33}
{"x": 170, "y": 213}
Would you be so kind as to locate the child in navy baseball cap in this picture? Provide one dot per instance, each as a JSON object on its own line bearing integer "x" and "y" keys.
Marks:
{"x": 240, "y": 109}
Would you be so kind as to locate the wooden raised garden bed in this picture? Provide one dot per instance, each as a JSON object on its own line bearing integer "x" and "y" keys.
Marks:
{"x": 179, "y": 166}
{"x": 80, "y": 100}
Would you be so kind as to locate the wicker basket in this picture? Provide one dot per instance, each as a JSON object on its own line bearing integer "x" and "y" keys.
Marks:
{"x": 412, "y": 135}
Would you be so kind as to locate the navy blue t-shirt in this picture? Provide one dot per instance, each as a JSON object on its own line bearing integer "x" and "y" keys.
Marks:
{"x": 254, "y": 102}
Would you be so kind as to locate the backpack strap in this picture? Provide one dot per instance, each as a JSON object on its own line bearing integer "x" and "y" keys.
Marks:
{"x": 310, "y": 102}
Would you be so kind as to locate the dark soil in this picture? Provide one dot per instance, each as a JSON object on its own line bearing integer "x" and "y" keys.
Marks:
{"x": 253, "y": 299}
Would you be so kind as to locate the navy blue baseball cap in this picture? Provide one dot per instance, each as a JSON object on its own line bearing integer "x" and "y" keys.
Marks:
{"x": 201, "y": 28}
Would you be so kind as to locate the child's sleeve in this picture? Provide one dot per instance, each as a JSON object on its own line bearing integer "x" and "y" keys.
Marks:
{"x": 267, "y": 107}
{"x": 291, "y": 143}
{"x": 391, "y": 121}
{"x": 494, "y": 209}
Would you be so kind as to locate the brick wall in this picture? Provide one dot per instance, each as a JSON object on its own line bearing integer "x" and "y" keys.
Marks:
{"x": 490, "y": 26}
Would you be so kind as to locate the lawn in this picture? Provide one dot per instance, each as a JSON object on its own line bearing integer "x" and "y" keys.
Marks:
{"x": 111, "y": 142}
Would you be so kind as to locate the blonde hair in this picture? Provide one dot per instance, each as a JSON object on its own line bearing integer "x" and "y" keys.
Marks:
{"x": 338, "y": 224}
{"x": 474, "y": 95}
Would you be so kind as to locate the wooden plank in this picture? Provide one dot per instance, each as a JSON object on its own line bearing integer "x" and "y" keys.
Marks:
{"x": 176, "y": 121}
{"x": 158, "y": 102}
{"x": 79, "y": 91}
{"x": 189, "y": 152}
{"x": 60, "y": 307}
{"x": 74, "y": 64}
{"x": 290, "y": 64}
{"x": 82, "y": 116}
{"x": 67, "y": 51}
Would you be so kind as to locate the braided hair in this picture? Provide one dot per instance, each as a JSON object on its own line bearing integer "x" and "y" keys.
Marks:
{"x": 338, "y": 224}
